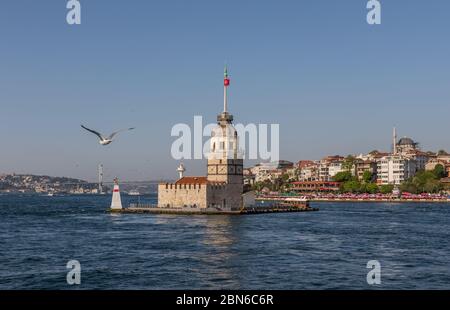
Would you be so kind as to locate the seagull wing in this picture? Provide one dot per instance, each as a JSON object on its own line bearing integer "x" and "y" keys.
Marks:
{"x": 116, "y": 132}
{"x": 94, "y": 132}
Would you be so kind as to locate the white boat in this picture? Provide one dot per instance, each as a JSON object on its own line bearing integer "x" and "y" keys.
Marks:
{"x": 296, "y": 199}
{"x": 133, "y": 193}
{"x": 50, "y": 194}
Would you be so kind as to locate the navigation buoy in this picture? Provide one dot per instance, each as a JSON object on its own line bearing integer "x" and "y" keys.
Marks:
{"x": 116, "y": 203}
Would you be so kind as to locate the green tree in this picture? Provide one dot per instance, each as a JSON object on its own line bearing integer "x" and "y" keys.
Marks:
{"x": 367, "y": 176}
{"x": 442, "y": 152}
{"x": 363, "y": 187}
{"x": 386, "y": 188}
{"x": 352, "y": 186}
{"x": 343, "y": 176}
{"x": 409, "y": 187}
{"x": 432, "y": 186}
{"x": 371, "y": 188}
{"x": 423, "y": 182}
{"x": 439, "y": 171}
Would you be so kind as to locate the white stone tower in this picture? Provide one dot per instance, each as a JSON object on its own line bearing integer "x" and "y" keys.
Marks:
{"x": 225, "y": 165}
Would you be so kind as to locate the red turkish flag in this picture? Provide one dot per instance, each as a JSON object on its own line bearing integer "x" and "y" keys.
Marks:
{"x": 226, "y": 82}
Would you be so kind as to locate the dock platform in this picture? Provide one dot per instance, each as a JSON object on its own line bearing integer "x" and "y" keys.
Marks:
{"x": 153, "y": 209}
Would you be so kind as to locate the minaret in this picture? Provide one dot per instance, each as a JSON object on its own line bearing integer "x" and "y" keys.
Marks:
{"x": 394, "y": 141}
{"x": 181, "y": 170}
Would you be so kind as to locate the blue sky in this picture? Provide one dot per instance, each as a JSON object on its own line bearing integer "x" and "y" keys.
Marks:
{"x": 334, "y": 84}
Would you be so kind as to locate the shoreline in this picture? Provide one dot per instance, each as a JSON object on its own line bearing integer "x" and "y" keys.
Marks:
{"x": 395, "y": 200}
{"x": 356, "y": 199}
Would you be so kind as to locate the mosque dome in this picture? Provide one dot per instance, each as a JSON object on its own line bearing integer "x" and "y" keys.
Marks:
{"x": 406, "y": 141}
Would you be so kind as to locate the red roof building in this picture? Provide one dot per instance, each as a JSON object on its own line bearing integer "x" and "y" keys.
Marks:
{"x": 315, "y": 186}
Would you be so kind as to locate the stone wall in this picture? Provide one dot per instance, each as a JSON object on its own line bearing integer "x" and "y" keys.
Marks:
{"x": 227, "y": 196}
{"x": 177, "y": 196}
{"x": 224, "y": 196}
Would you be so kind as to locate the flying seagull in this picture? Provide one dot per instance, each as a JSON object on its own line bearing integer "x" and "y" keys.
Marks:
{"x": 105, "y": 140}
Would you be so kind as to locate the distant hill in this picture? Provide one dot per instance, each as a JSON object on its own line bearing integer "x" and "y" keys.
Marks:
{"x": 28, "y": 183}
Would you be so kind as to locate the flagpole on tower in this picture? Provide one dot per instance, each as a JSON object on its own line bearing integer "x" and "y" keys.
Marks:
{"x": 225, "y": 118}
{"x": 226, "y": 83}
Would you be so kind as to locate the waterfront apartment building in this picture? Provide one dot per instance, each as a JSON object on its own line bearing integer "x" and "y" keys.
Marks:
{"x": 395, "y": 169}
{"x": 273, "y": 170}
{"x": 421, "y": 158}
{"x": 308, "y": 170}
{"x": 329, "y": 167}
{"x": 334, "y": 168}
{"x": 361, "y": 166}
{"x": 264, "y": 173}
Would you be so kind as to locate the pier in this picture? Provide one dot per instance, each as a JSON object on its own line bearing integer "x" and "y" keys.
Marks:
{"x": 275, "y": 208}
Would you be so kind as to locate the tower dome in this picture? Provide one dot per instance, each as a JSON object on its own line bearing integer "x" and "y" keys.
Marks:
{"x": 224, "y": 142}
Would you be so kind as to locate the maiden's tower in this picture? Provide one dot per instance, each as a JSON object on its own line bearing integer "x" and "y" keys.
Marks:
{"x": 222, "y": 188}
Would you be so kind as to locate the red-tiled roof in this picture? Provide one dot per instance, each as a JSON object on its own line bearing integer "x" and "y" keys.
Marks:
{"x": 333, "y": 158}
{"x": 305, "y": 163}
{"x": 192, "y": 180}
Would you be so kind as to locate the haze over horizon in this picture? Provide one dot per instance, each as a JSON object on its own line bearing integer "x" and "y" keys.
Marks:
{"x": 335, "y": 84}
